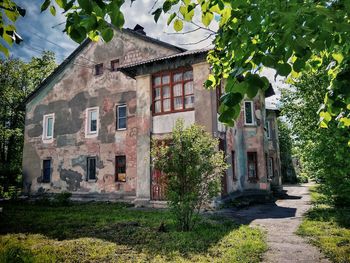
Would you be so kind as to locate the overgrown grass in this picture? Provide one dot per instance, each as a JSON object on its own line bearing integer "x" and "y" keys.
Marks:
{"x": 328, "y": 227}
{"x": 102, "y": 232}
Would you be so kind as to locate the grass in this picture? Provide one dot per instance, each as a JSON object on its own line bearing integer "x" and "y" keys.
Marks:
{"x": 108, "y": 232}
{"x": 328, "y": 228}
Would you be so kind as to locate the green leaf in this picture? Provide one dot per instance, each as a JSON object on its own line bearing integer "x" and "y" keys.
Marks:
{"x": 87, "y": 5}
{"x": 157, "y": 14}
{"x": 117, "y": 18}
{"x": 167, "y": 6}
{"x": 12, "y": 15}
{"x": 178, "y": 25}
{"x": 338, "y": 57}
{"x": 89, "y": 22}
{"x": 61, "y": 3}
{"x": 298, "y": 65}
{"x": 45, "y": 5}
{"x": 325, "y": 116}
{"x": 93, "y": 35}
{"x": 346, "y": 121}
{"x": 231, "y": 99}
{"x": 107, "y": 34}
{"x": 207, "y": 18}
{"x": 171, "y": 18}
{"x": 283, "y": 69}
{"x": 53, "y": 10}
{"x": 4, "y": 50}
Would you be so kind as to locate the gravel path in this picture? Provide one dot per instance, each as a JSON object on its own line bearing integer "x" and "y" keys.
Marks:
{"x": 280, "y": 220}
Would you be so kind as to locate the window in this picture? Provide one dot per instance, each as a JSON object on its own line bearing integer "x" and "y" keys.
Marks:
{"x": 92, "y": 121}
{"x": 173, "y": 91}
{"x": 248, "y": 113}
{"x": 46, "y": 171}
{"x": 252, "y": 165}
{"x": 114, "y": 64}
{"x": 120, "y": 168}
{"x": 233, "y": 165}
{"x": 270, "y": 167}
{"x": 99, "y": 69}
{"x": 268, "y": 129}
{"x": 121, "y": 117}
{"x": 48, "y": 125}
{"x": 91, "y": 168}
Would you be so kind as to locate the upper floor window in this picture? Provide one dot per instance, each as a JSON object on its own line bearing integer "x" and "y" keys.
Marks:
{"x": 114, "y": 64}
{"x": 270, "y": 167}
{"x": 121, "y": 117}
{"x": 173, "y": 91}
{"x": 92, "y": 121}
{"x": 48, "y": 125}
{"x": 99, "y": 69}
{"x": 248, "y": 113}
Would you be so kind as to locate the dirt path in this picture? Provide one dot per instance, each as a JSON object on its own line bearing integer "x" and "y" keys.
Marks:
{"x": 281, "y": 220}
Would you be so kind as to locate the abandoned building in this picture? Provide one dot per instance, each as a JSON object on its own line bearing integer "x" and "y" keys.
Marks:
{"x": 89, "y": 125}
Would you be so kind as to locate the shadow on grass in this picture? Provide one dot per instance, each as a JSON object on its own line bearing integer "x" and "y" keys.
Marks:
{"x": 114, "y": 223}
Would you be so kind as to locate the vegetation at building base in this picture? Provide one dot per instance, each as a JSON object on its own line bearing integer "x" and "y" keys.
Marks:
{"x": 17, "y": 80}
{"x": 323, "y": 153}
{"x": 113, "y": 232}
{"x": 193, "y": 166}
{"x": 327, "y": 227}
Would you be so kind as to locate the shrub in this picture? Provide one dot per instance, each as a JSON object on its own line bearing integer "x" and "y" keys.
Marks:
{"x": 302, "y": 178}
{"x": 193, "y": 165}
{"x": 62, "y": 198}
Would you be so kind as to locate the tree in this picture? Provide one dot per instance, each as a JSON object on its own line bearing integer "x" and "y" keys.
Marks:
{"x": 17, "y": 80}
{"x": 323, "y": 152}
{"x": 193, "y": 165}
{"x": 286, "y": 145}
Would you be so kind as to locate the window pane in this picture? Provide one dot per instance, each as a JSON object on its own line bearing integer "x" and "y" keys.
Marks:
{"x": 46, "y": 170}
{"x": 93, "y": 121}
{"x": 156, "y": 81}
{"x": 166, "y": 92}
{"x": 178, "y": 103}
{"x": 121, "y": 168}
{"x": 49, "y": 127}
{"x": 166, "y": 105}
{"x": 122, "y": 123}
{"x": 248, "y": 112}
{"x": 166, "y": 79}
{"x": 188, "y": 75}
{"x": 177, "y": 90}
{"x": 157, "y": 106}
{"x": 91, "y": 168}
{"x": 157, "y": 93}
{"x": 189, "y": 88}
{"x": 189, "y": 102}
{"x": 122, "y": 111}
{"x": 177, "y": 77}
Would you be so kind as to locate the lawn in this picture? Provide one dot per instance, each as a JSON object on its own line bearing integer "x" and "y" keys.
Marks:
{"x": 112, "y": 232}
{"x": 328, "y": 228}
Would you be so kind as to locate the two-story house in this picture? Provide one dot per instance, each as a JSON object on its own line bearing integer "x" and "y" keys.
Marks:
{"x": 89, "y": 125}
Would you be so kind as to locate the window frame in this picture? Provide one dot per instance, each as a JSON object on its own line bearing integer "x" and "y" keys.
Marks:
{"x": 99, "y": 69}
{"x": 270, "y": 162}
{"x": 43, "y": 171}
{"x": 268, "y": 129}
{"x": 233, "y": 166}
{"x": 118, "y": 117}
{"x": 171, "y": 84}
{"x": 46, "y": 138}
{"x": 116, "y": 168}
{"x": 252, "y": 113}
{"x": 255, "y": 154}
{"x": 88, "y": 158}
{"x": 113, "y": 63}
{"x": 88, "y": 132}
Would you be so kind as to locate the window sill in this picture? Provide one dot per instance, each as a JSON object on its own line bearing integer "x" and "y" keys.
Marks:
{"x": 47, "y": 140}
{"x": 91, "y": 180}
{"x": 120, "y": 181}
{"x": 121, "y": 129}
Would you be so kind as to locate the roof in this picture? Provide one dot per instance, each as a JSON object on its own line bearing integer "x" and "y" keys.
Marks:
{"x": 62, "y": 66}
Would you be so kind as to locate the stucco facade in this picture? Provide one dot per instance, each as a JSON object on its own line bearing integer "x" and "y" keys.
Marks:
{"x": 130, "y": 61}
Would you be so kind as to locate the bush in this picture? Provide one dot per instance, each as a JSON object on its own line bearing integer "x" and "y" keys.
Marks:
{"x": 62, "y": 198}
{"x": 302, "y": 178}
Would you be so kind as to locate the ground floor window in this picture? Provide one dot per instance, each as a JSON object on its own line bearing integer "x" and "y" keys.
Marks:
{"x": 252, "y": 165}
{"x": 46, "y": 171}
{"x": 91, "y": 168}
{"x": 233, "y": 165}
{"x": 120, "y": 168}
{"x": 270, "y": 167}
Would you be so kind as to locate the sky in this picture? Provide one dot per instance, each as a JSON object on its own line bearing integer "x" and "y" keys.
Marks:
{"x": 42, "y": 31}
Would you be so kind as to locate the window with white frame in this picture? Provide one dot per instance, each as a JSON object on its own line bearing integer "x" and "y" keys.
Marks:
{"x": 121, "y": 117}
{"x": 248, "y": 113}
{"x": 48, "y": 126}
{"x": 92, "y": 121}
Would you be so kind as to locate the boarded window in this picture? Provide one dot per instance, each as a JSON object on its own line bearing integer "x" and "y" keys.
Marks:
{"x": 114, "y": 64}
{"x": 99, "y": 69}
{"x": 121, "y": 117}
{"x": 46, "y": 171}
{"x": 91, "y": 168}
{"x": 120, "y": 168}
{"x": 173, "y": 91}
{"x": 248, "y": 113}
{"x": 252, "y": 165}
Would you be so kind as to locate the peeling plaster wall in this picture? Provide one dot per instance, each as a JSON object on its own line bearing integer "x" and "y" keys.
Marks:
{"x": 166, "y": 123}
{"x": 68, "y": 96}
